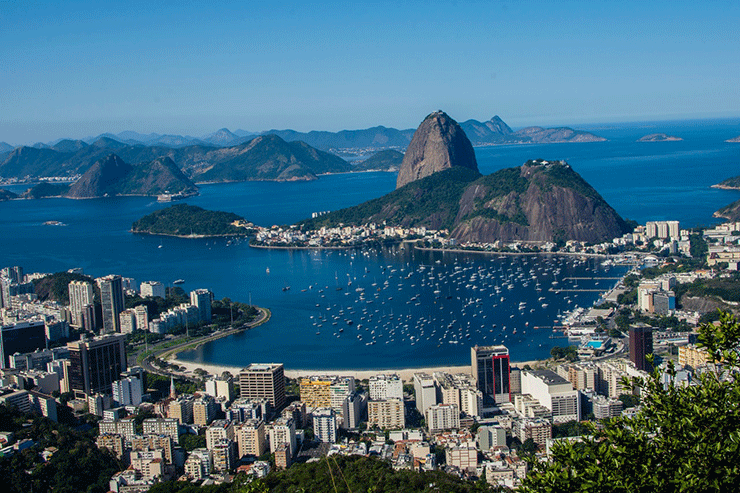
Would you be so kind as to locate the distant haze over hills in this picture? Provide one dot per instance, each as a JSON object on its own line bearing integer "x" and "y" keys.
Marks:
{"x": 491, "y": 132}
{"x": 266, "y": 157}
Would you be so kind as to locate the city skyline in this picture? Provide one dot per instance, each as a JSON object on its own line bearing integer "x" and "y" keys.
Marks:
{"x": 81, "y": 69}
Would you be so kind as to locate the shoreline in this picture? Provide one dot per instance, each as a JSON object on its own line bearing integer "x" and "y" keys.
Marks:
{"x": 190, "y": 236}
{"x": 277, "y": 247}
{"x": 493, "y": 252}
{"x": 406, "y": 374}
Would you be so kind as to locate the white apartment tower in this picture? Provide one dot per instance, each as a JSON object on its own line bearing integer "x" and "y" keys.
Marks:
{"x": 151, "y": 289}
{"x": 384, "y": 387}
{"x": 201, "y": 298}
{"x": 80, "y": 295}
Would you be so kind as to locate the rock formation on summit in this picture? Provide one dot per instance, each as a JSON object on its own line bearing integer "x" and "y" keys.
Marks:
{"x": 438, "y": 144}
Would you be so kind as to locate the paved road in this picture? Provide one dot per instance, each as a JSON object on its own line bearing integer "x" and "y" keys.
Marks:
{"x": 163, "y": 353}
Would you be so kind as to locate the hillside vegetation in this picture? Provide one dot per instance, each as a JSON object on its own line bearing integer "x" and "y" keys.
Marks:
{"x": 539, "y": 201}
{"x": 187, "y": 220}
{"x": 432, "y": 201}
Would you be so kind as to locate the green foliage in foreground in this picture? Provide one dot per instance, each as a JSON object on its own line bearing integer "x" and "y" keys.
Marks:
{"x": 339, "y": 474}
{"x": 683, "y": 439}
{"x": 184, "y": 219}
{"x": 77, "y": 465}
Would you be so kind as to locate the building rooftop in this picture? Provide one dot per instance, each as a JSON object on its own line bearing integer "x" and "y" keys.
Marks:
{"x": 549, "y": 377}
{"x": 262, "y": 367}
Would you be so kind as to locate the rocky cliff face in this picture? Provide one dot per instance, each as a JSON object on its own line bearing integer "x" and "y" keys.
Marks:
{"x": 541, "y": 201}
{"x": 438, "y": 144}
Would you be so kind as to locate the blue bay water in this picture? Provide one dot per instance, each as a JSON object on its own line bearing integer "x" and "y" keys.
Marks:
{"x": 642, "y": 181}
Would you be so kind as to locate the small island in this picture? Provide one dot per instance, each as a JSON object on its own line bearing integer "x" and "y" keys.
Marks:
{"x": 659, "y": 138}
{"x": 189, "y": 221}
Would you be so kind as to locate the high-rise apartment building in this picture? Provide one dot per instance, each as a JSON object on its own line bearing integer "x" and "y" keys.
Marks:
{"x": 250, "y": 437}
{"x": 263, "y": 380}
{"x": 491, "y": 370}
{"x": 386, "y": 415}
{"x": 127, "y": 321}
{"x": 142, "y": 317}
{"x": 425, "y": 390}
{"x": 382, "y": 387}
{"x": 219, "y": 429}
{"x": 162, "y": 426}
{"x": 442, "y": 417}
{"x": 641, "y": 344}
{"x": 283, "y": 431}
{"x": 80, "y": 296}
{"x": 127, "y": 391}
{"x": 325, "y": 425}
{"x": 96, "y": 363}
{"x": 111, "y": 299}
{"x": 150, "y": 289}
{"x": 201, "y": 299}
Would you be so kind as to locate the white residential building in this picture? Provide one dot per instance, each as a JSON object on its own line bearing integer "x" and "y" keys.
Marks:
{"x": 383, "y": 387}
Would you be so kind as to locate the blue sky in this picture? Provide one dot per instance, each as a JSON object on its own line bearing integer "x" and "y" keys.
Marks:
{"x": 74, "y": 69}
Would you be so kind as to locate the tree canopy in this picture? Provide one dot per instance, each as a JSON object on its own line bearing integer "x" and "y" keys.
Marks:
{"x": 684, "y": 438}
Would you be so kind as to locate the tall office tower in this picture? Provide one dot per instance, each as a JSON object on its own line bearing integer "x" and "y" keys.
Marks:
{"x": 5, "y": 284}
{"x": 263, "y": 380}
{"x": 96, "y": 363}
{"x": 150, "y": 289}
{"x": 111, "y": 298}
{"x": 89, "y": 318}
{"x": 15, "y": 274}
{"x": 201, "y": 298}
{"x": 491, "y": 370}
{"x": 21, "y": 337}
{"x": 641, "y": 344}
{"x": 80, "y": 295}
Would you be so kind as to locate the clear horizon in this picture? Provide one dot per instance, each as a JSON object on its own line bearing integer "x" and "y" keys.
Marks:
{"x": 81, "y": 69}
{"x": 586, "y": 126}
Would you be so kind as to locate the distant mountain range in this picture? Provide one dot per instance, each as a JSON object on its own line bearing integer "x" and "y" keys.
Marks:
{"x": 267, "y": 157}
{"x": 237, "y": 156}
{"x": 491, "y": 132}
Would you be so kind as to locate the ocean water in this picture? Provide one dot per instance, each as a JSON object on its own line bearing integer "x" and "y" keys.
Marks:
{"x": 642, "y": 181}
